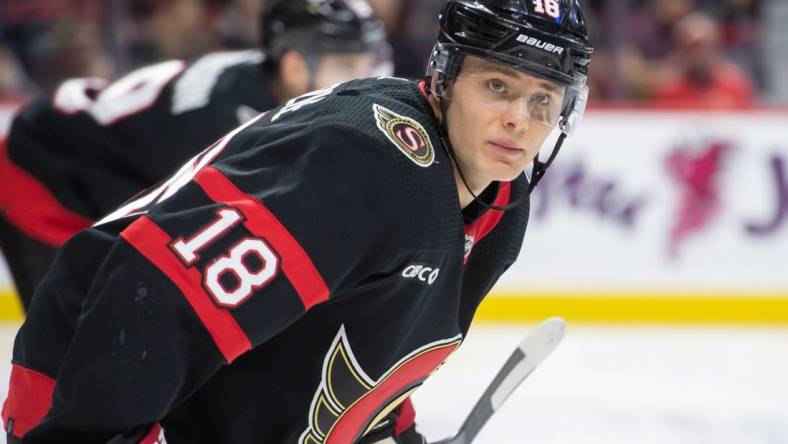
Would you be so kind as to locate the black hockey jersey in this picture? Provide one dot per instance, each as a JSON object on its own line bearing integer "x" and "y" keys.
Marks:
{"x": 293, "y": 283}
{"x": 91, "y": 146}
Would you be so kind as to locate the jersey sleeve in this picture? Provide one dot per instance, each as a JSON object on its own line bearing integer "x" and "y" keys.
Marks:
{"x": 271, "y": 229}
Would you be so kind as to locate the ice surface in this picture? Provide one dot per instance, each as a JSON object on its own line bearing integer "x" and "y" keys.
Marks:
{"x": 633, "y": 384}
{"x": 612, "y": 385}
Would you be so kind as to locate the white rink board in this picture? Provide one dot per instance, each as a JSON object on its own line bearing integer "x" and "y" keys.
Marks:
{"x": 580, "y": 238}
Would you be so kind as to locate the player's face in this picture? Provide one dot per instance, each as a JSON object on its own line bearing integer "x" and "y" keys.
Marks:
{"x": 336, "y": 68}
{"x": 498, "y": 118}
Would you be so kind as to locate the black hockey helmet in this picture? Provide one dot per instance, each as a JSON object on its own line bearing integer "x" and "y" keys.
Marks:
{"x": 544, "y": 38}
{"x": 322, "y": 26}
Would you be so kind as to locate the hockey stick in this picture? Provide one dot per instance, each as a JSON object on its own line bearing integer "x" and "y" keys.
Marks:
{"x": 525, "y": 358}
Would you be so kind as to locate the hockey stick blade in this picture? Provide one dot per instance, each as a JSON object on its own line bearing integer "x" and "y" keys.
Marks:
{"x": 529, "y": 354}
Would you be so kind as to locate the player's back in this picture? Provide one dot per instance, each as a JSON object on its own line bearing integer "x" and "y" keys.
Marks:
{"x": 93, "y": 145}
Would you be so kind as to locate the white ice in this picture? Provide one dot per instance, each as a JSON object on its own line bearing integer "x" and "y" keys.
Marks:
{"x": 616, "y": 385}
{"x": 612, "y": 385}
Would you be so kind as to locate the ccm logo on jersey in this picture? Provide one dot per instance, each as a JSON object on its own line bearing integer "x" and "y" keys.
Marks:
{"x": 407, "y": 134}
{"x": 421, "y": 272}
{"x": 540, "y": 44}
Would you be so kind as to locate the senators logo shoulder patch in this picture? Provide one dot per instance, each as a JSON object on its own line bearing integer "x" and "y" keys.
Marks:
{"x": 407, "y": 134}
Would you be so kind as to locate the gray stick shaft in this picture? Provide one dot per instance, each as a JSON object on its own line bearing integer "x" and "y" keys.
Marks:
{"x": 531, "y": 352}
{"x": 484, "y": 409}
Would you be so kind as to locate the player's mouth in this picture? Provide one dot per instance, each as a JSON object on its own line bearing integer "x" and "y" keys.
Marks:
{"x": 507, "y": 147}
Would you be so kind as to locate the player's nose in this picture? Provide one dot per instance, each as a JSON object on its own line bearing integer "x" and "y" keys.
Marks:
{"x": 516, "y": 116}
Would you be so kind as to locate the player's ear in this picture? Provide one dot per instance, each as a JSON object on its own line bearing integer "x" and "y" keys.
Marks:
{"x": 433, "y": 100}
{"x": 294, "y": 73}
{"x": 436, "y": 108}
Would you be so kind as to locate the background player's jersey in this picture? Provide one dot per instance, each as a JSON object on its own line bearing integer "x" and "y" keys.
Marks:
{"x": 292, "y": 284}
{"x": 93, "y": 145}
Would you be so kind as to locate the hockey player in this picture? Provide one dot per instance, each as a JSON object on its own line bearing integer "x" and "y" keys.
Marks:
{"x": 77, "y": 155}
{"x": 296, "y": 281}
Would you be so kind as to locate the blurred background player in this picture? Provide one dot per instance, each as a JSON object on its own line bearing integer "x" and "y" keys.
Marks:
{"x": 73, "y": 156}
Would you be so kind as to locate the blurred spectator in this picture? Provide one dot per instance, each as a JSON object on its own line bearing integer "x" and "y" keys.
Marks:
{"x": 742, "y": 36}
{"x": 74, "y": 50}
{"x": 651, "y": 29}
{"x": 698, "y": 72}
{"x": 13, "y": 82}
{"x": 55, "y": 39}
{"x": 603, "y": 79}
{"x": 648, "y": 42}
{"x": 412, "y": 29}
{"x": 637, "y": 57}
{"x": 238, "y": 24}
{"x": 171, "y": 29}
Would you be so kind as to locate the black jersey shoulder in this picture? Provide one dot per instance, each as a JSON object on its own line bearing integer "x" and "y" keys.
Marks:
{"x": 361, "y": 131}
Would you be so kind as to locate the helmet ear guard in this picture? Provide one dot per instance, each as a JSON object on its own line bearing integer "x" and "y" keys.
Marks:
{"x": 575, "y": 102}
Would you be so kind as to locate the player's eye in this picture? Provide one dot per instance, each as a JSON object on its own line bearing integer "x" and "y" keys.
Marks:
{"x": 496, "y": 86}
{"x": 541, "y": 100}
{"x": 539, "y": 105}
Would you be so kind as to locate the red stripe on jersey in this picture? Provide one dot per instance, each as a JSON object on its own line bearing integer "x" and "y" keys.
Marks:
{"x": 152, "y": 242}
{"x": 296, "y": 263}
{"x": 485, "y": 224}
{"x": 29, "y": 399}
{"x": 29, "y": 205}
{"x": 155, "y": 435}
{"x": 423, "y": 88}
{"x": 405, "y": 418}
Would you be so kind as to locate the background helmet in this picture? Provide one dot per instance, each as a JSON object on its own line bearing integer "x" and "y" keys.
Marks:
{"x": 318, "y": 27}
{"x": 544, "y": 38}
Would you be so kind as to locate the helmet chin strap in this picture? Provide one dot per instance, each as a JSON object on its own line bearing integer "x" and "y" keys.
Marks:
{"x": 540, "y": 168}
{"x": 538, "y": 172}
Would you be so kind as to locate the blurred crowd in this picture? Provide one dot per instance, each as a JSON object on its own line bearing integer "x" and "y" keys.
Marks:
{"x": 666, "y": 52}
